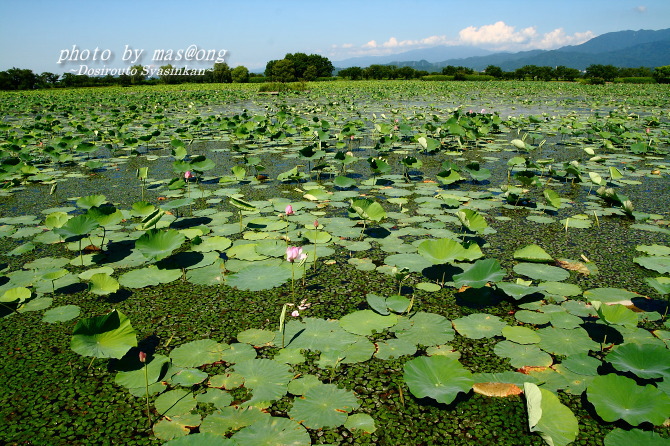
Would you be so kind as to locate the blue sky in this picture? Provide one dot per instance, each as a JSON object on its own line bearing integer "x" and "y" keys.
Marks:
{"x": 34, "y": 33}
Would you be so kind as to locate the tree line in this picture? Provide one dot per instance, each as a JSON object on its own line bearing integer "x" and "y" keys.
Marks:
{"x": 304, "y": 67}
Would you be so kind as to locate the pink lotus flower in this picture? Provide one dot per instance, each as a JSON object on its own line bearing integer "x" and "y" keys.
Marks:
{"x": 289, "y": 210}
{"x": 295, "y": 313}
{"x": 188, "y": 175}
{"x": 316, "y": 224}
{"x": 143, "y": 357}
{"x": 294, "y": 253}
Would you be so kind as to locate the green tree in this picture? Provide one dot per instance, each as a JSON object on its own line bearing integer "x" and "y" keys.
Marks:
{"x": 310, "y": 73}
{"x": 406, "y": 73}
{"x": 353, "y": 73}
{"x": 662, "y": 74}
{"x": 48, "y": 79}
{"x": 166, "y": 76}
{"x": 605, "y": 72}
{"x": 283, "y": 71}
{"x": 137, "y": 74}
{"x": 221, "y": 73}
{"x": 493, "y": 70}
{"x": 322, "y": 67}
{"x": 562, "y": 72}
{"x": 240, "y": 74}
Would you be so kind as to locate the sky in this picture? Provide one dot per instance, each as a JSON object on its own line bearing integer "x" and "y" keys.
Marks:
{"x": 37, "y": 34}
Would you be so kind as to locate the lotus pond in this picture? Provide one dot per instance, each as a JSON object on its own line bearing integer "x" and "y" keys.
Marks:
{"x": 363, "y": 263}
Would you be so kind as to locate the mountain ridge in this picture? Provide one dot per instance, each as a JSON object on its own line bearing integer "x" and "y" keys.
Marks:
{"x": 629, "y": 48}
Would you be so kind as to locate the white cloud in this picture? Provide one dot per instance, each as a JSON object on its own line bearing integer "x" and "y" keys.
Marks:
{"x": 498, "y": 37}
{"x": 641, "y": 9}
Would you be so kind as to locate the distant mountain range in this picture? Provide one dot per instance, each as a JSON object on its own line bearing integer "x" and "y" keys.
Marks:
{"x": 643, "y": 48}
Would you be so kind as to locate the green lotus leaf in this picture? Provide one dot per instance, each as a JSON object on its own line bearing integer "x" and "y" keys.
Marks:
{"x": 139, "y": 278}
{"x": 552, "y": 198}
{"x": 301, "y": 385}
{"x": 520, "y": 335}
{"x": 290, "y": 356}
{"x": 317, "y": 334}
{"x": 344, "y": 182}
{"x": 616, "y": 314}
{"x": 231, "y": 419}
{"x": 561, "y": 289}
{"x": 449, "y": 176}
{"x": 103, "y": 284}
{"x": 531, "y": 317}
{"x": 17, "y": 294}
{"x": 188, "y": 377}
{"x": 256, "y": 337}
{"x": 38, "y": 304}
{"x": 86, "y": 275}
{"x": 566, "y": 342}
{"x": 654, "y": 250}
{"x": 437, "y": 377}
{"x": 106, "y": 215}
{"x": 56, "y": 220}
{"x": 480, "y": 273}
{"x": 366, "y": 322}
{"x": 644, "y": 360}
{"x": 273, "y": 431}
{"x": 63, "y": 313}
{"x": 617, "y": 397}
{"x": 267, "y": 380}
{"x": 198, "y": 353}
{"x": 517, "y": 291}
{"x": 322, "y": 406}
{"x": 77, "y": 227}
{"x": 447, "y": 250}
{"x": 621, "y": 437}
{"x": 228, "y": 381}
{"x": 522, "y": 355}
{"x": 131, "y": 374}
{"x": 660, "y": 284}
{"x": 414, "y": 263}
{"x": 472, "y": 220}
{"x": 425, "y": 329}
{"x": 541, "y": 272}
{"x": 368, "y": 209}
{"x": 377, "y": 303}
{"x": 394, "y": 348}
{"x": 90, "y": 201}
{"x": 178, "y": 426}
{"x": 157, "y": 244}
{"x": 563, "y": 319}
{"x": 199, "y": 439}
{"x": 582, "y": 364}
{"x": 219, "y": 398}
{"x": 479, "y": 325}
{"x": 358, "y": 351}
{"x": 107, "y": 336}
{"x": 246, "y": 251}
{"x": 660, "y": 264}
{"x": 213, "y": 243}
{"x": 21, "y": 249}
{"x": 259, "y": 277}
{"x": 175, "y": 402}
{"x": 208, "y": 275}
{"x": 362, "y": 422}
{"x": 555, "y": 423}
{"x": 610, "y": 295}
{"x": 242, "y": 205}
{"x": 532, "y": 253}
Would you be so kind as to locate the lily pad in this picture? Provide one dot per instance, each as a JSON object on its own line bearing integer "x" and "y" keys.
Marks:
{"x": 267, "y": 380}
{"x": 175, "y": 402}
{"x": 617, "y": 397}
{"x": 63, "y": 313}
{"x": 366, "y": 322}
{"x": 480, "y": 273}
{"x": 107, "y": 336}
{"x": 532, "y": 253}
{"x": 197, "y": 353}
{"x": 647, "y": 361}
{"x": 322, "y": 406}
{"x": 273, "y": 431}
{"x": 479, "y": 325}
{"x": 555, "y": 423}
{"x": 259, "y": 277}
{"x": 538, "y": 271}
{"x": 438, "y": 377}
